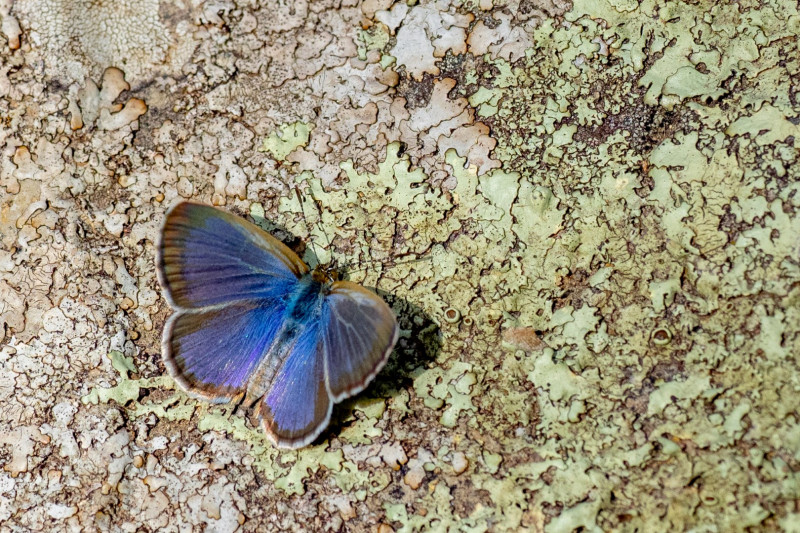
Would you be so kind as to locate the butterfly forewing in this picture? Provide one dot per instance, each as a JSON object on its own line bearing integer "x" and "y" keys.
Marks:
{"x": 209, "y": 257}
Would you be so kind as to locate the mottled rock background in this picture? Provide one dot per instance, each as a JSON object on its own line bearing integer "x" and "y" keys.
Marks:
{"x": 604, "y": 330}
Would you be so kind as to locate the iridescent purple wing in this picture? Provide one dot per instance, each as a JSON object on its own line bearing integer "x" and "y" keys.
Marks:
{"x": 229, "y": 282}
{"x": 358, "y": 331}
{"x": 208, "y": 257}
{"x": 212, "y": 353}
{"x": 298, "y": 407}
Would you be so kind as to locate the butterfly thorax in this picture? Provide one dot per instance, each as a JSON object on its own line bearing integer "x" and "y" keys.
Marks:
{"x": 305, "y": 301}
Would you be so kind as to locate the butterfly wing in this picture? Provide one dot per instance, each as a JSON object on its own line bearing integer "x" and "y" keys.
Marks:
{"x": 229, "y": 282}
{"x": 212, "y": 353}
{"x": 297, "y": 406}
{"x": 358, "y": 330}
{"x": 208, "y": 257}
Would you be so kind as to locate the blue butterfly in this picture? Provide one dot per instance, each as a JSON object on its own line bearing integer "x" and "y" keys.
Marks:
{"x": 253, "y": 322}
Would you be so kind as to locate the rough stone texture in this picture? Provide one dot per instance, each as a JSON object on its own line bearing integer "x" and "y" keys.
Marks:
{"x": 603, "y": 330}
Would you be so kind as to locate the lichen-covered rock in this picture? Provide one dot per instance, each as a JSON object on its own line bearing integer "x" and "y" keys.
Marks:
{"x": 584, "y": 214}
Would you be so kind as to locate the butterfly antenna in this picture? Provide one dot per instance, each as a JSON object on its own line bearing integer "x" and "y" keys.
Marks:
{"x": 390, "y": 263}
{"x": 308, "y": 224}
{"x": 318, "y": 205}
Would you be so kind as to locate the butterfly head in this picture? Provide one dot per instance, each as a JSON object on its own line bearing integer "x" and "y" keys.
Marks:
{"x": 325, "y": 274}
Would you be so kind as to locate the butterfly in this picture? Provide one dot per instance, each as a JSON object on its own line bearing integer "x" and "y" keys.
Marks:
{"x": 252, "y": 322}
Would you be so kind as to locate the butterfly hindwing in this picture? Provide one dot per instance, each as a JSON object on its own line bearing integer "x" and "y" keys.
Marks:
{"x": 297, "y": 406}
{"x": 359, "y": 331}
{"x": 210, "y": 257}
{"x": 213, "y": 353}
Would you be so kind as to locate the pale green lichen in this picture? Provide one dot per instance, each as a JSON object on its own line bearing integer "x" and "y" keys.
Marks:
{"x": 286, "y": 140}
{"x": 127, "y": 389}
{"x": 374, "y": 38}
{"x": 595, "y": 179}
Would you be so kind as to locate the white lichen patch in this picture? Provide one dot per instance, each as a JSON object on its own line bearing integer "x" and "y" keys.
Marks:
{"x": 91, "y": 104}
{"x": 9, "y": 25}
{"x": 424, "y": 33}
{"x": 81, "y": 36}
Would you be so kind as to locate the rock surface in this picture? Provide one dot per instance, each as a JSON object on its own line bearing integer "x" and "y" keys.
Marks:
{"x": 603, "y": 330}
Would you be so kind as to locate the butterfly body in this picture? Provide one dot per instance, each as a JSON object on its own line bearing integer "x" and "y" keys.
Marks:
{"x": 252, "y": 320}
{"x": 306, "y": 301}
{"x": 303, "y": 309}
